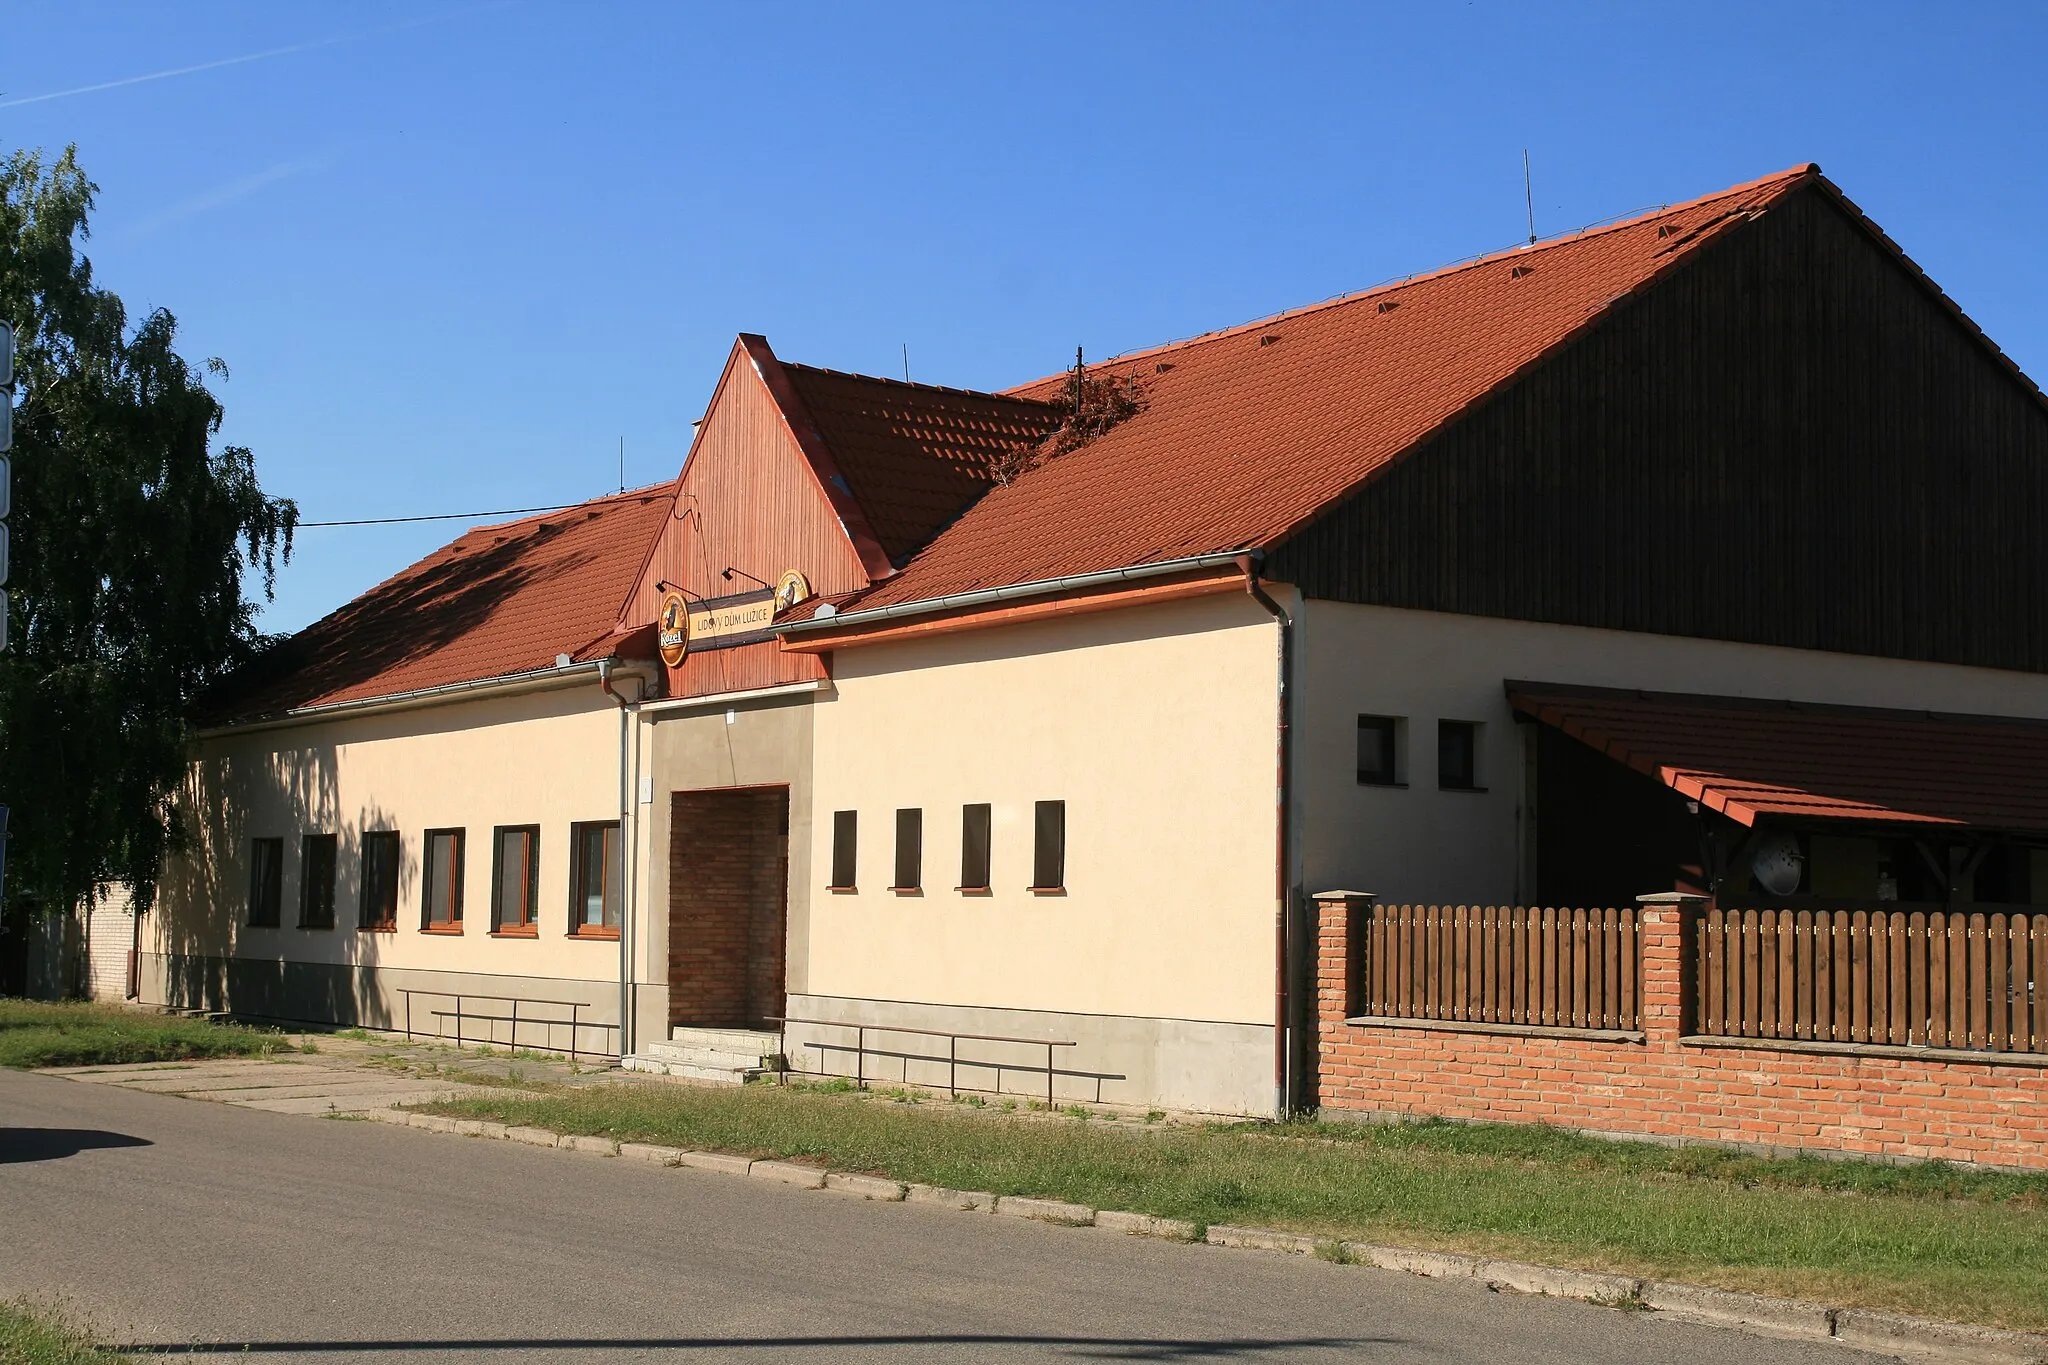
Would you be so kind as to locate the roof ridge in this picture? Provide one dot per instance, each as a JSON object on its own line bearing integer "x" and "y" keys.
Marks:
{"x": 1782, "y": 180}
{"x": 999, "y": 396}
{"x": 644, "y": 493}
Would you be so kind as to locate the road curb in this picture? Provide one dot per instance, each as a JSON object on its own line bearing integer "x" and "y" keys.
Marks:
{"x": 1755, "y": 1314}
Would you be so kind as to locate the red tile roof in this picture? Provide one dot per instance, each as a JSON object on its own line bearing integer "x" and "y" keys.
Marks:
{"x": 498, "y": 601}
{"x": 1249, "y": 432}
{"x": 1750, "y": 759}
{"x": 914, "y": 455}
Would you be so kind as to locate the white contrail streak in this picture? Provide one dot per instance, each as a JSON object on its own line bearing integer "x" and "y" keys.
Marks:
{"x": 166, "y": 75}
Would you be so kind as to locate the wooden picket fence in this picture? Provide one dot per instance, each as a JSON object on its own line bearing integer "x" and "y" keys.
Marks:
{"x": 1927, "y": 978}
{"x": 1557, "y": 968}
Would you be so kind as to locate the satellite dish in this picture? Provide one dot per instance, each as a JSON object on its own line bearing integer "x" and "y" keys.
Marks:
{"x": 1778, "y": 864}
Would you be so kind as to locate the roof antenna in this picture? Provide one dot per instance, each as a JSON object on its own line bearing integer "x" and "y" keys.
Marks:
{"x": 906, "y": 362}
{"x": 1080, "y": 373}
{"x": 1528, "y": 196}
{"x": 622, "y": 464}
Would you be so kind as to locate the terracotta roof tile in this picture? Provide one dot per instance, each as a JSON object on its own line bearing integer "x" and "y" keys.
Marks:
{"x": 915, "y": 455}
{"x": 1793, "y": 760}
{"x": 1249, "y": 432}
{"x": 497, "y": 601}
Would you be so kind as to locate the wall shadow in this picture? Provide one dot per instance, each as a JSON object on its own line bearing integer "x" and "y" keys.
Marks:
{"x": 19, "y": 1145}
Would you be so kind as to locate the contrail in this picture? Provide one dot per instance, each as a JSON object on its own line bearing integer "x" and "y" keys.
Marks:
{"x": 249, "y": 57}
{"x": 166, "y": 75}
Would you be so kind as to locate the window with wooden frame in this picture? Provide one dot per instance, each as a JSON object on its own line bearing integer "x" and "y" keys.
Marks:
{"x": 845, "y": 849}
{"x": 316, "y": 881}
{"x": 266, "y": 883}
{"x": 1049, "y": 846}
{"x": 441, "y": 882}
{"x": 515, "y": 881}
{"x": 594, "y": 872}
{"x": 379, "y": 909}
{"x": 909, "y": 850}
{"x": 974, "y": 847}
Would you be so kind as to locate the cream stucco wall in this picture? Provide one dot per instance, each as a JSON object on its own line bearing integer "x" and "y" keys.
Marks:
{"x": 548, "y": 758}
{"x": 1453, "y": 847}
{"x": 1155, "y": 725}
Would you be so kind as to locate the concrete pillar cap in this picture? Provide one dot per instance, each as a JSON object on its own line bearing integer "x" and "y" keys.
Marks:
{"x": 1673, "y": 898}
{"x": 1343, "y": 895}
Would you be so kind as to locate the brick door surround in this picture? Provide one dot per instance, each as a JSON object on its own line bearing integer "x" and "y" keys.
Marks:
{"x": 728, "y": 905}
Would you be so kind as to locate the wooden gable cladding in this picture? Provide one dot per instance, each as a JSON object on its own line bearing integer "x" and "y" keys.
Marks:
{"x": 750, "y": 500}
{"x": 1790, "y": 440}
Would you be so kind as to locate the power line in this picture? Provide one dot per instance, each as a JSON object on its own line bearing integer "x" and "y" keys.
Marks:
{"x": 444, "y": 516}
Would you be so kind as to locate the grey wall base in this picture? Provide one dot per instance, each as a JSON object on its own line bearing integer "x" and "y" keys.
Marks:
{"x": 1182, "y": 1064}
{"x": 370, "y": 997}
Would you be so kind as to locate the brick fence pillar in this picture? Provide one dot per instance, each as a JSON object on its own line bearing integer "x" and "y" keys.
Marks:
{"x": 1664, "y": 976}
{"x": 1340, "y": 956}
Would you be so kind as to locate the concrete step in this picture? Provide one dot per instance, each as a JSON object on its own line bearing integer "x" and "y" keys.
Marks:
{"x": 761, "y": 1042}
{"x": 704, "y": 1056}
{"x": 660, "y": 1066}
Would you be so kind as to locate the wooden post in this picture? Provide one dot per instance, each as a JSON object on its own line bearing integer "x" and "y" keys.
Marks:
{"x": 1666, "y": 981}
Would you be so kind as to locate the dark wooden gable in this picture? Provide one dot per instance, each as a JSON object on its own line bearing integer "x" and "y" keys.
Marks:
{"x": 1791, "y": 441}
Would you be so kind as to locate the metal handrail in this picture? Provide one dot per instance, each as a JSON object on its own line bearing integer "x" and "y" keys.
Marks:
{"x": 575, "y": 1021}
{"x": 859, "y": 1047}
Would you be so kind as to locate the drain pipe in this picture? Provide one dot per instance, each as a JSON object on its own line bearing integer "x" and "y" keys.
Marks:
{"x": 604, "y": 680}
{"x": 1283, "y": 844}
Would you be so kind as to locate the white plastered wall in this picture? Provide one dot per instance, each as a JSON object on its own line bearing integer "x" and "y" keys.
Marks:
{"x": 1420, "y": 844}
{"x": 1154, "y": 724}
{"x": 546, "y": 758}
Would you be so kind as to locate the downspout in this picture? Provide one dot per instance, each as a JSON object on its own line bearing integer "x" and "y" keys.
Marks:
{"x": 1282, "y": 853}
{"x": 604, "y": 680}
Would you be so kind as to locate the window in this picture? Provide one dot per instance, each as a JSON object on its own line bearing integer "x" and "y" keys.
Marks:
{"x": 1457, "y": 755}
{"x": 441, "y": 882}
{"x": 1049, "y": 846}
{"x": 316, "y": 881}
{"x": 909, "y": 850}
{"x": 594, "y": 880}
{"x": 845, "y": 835}
{"x": 380, "y": 881}
{"x": 266, "y": 882}
{"x": 515, "y": 880}
{"x": 1379, "y": 750}
{"x": 974, "y": 845}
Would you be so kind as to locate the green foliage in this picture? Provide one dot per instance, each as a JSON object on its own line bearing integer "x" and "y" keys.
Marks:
{"x": 31, "y": 1335}
{"x": 1950, "y": 1243}
{"x": 131, "y": 537}
{"x": 35, "y": 1033}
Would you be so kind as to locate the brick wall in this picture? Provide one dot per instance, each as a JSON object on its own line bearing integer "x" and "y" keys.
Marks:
{"x": 727, "y": 905}
{"x": 1954, "y": 1110}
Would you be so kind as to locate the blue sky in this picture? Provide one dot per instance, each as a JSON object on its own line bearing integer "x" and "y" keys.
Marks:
{"x": 453, "y": 252}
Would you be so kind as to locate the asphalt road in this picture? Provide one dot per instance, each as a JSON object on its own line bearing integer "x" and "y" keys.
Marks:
{"x": 173, "y": 1222}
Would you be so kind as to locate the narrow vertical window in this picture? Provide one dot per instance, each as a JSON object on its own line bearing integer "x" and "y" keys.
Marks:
{"x": 441, "y": 882}
{"x": 316, "y": 881}
{"x": 974, "y": 846}
{"x": 909, "y": 850}
{"x": 266, "y": 882}
{"x": 515, "y": 880}
{"x": 845, "y": 838}
{"x": 594, "y": 880}
{"x": 1457, "y": 755}
{"x": 1379, "y": 751}
{"x": 379, "y": 909}
{"x": 1049, "y": 846}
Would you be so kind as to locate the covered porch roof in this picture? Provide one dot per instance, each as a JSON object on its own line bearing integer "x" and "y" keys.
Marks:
{"x": 1751, "y": 759}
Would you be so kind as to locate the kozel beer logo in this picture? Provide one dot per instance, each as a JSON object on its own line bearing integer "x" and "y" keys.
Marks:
{"x": 791, "y": 589}
{"x": 675, "y": 629}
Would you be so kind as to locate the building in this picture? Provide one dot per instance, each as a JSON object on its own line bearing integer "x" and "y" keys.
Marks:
{"x": 1557, "y": 577}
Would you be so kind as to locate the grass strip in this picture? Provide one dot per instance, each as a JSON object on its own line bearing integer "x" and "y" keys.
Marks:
{"x": 1931, "y": 1240}
{"x": 30, "y": 1335}
{"x": 41, "y": 1033}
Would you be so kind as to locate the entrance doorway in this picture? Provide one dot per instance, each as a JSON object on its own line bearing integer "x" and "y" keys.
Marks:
{"x": 728, "y": 905}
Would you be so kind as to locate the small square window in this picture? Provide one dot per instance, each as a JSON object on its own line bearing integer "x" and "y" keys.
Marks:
{"x": 1457, "y": 755}
{"x": 909, "y": 850}
{"x": 266, "y": 882}
{"x": 1379, "y": 750}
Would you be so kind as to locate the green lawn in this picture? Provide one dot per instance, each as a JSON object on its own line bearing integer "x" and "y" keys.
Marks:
{"x": 1926, "y": 1239}
{"x": 30, "y": 1335}
{"x": 39, "y": 1033}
